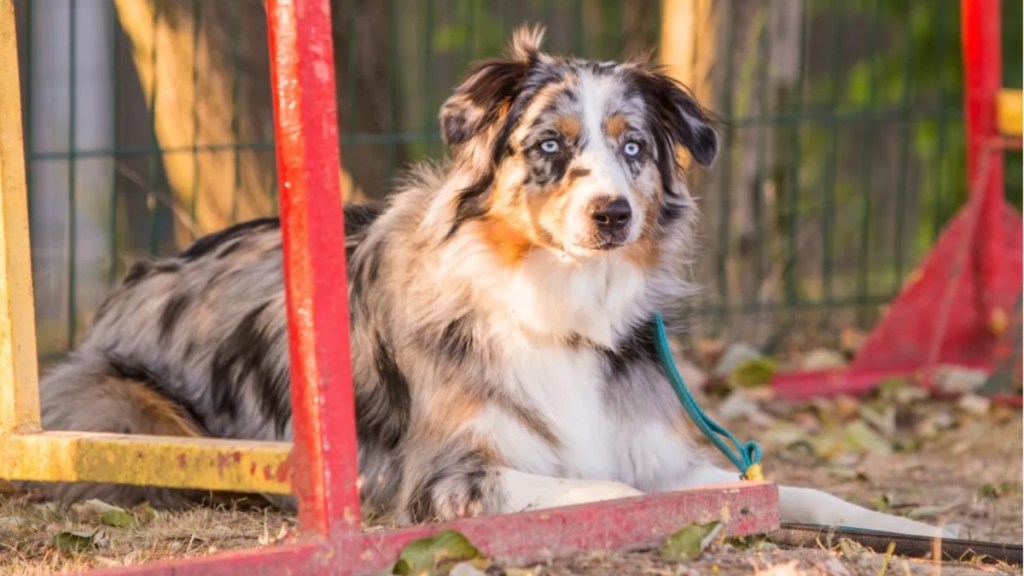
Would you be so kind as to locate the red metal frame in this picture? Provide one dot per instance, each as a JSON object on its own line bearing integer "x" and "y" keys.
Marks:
{"x": 302, "y": 74}
{"x": 325, "y": 472}
{"x": 958, "y": 310}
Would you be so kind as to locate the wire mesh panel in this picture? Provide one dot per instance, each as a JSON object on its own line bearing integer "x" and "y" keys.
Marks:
{"x": 148, "y": 123}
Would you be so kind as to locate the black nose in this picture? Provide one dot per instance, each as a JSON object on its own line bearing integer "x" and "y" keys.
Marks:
{"x": 611, "y": 215}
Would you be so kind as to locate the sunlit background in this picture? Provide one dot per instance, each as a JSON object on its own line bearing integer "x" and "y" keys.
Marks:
{"x": 148, "y": 122}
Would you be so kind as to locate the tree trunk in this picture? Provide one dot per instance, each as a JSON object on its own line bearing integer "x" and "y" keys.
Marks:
{"x": 204, "y": 71}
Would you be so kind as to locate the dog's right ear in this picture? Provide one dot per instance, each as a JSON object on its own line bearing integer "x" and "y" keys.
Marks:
{"x": 485, "y": 95}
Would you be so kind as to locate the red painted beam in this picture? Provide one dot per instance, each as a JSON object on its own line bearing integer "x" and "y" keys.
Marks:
{"x": 302, "y": 74}
{"x": 983, "y": 61}
{"x": 747, "y": 508}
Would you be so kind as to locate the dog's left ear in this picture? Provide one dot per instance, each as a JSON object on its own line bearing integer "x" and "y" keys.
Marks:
{"x": 677, "y": 112}
{"x": 486, "y": 93}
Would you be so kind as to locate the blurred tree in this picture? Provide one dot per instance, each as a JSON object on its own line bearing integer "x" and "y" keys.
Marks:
{"x": 204, "y": 71}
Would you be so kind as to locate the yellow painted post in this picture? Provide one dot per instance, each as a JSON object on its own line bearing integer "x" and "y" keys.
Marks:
{"x": 26, "y": 453}
{"x": 173, "y": 462}
{"x": 1008, "y": 112}
{"x": 19, "y": 385}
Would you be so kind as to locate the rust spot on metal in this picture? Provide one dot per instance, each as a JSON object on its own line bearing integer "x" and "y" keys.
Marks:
{"x": 252, "y": 469}
{"x": 284, "y": 471}
{"x": 226, "y": 460}
{"x": 182, "y": 461}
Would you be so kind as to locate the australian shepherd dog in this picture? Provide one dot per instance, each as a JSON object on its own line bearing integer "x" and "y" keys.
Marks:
{"x": 501, "y": 310}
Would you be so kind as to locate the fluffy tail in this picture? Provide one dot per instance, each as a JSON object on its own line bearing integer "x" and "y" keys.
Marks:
{"x": 89, "y": 395}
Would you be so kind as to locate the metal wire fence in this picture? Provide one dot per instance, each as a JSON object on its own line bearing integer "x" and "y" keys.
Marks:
{"x": 148, "y": 122}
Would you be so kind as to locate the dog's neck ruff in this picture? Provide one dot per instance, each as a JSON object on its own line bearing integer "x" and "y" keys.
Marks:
{"x": 597, "y": 299}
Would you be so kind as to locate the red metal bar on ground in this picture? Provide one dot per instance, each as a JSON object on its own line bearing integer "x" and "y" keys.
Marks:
{"x": 325, "y": 477}
{"x": 747, "y": 508}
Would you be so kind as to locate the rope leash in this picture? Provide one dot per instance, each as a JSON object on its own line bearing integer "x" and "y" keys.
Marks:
{"x": 746, "y": 457}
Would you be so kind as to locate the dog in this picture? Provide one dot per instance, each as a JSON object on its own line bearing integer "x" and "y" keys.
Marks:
{"x": 501, "y": 308}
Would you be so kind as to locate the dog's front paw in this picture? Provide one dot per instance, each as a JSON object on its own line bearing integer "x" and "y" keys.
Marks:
{"x": 451, "y": 494}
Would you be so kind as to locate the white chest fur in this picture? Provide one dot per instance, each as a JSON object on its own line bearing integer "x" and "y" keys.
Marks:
{"x": 547, "y": 297}
{"x": 564, "y": 388}
{"x": 550, "y": 294}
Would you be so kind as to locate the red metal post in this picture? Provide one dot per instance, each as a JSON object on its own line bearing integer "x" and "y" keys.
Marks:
{"x": 983, "y": 60}
{"x": 325, "y": 475}
{"x": 979, "y": 25}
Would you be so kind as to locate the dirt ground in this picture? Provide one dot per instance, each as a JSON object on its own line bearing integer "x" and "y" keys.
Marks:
{"x": 939, "y": 461}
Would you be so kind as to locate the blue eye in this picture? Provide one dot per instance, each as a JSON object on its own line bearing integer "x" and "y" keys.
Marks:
{"x": 549, "y": 146}
{"x": 631, "y": 149}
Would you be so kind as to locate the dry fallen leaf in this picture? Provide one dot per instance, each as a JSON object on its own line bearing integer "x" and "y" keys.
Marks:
{"x": 822, "y": 359}
{"x": 973, "y": 404}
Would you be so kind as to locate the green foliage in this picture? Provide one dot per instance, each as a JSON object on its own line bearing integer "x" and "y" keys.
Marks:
{"x": 437, "y": 555}
{"x": 73, "y": 542}
{"x": 753, "y": 372}
{"x": 691, "y": 541}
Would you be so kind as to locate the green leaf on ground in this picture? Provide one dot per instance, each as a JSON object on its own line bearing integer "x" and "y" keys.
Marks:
{"x": 753, "y": 372}
{"x": 145, "y": 513}
{"x": 859, "y": 436}
{"x": 690, "y": 542}
{"x": 882, "y": 502}
{"x": 77, "y": 541}
{"x": 117, "y": 519}
{"x": 752, "y": 542}
{"x": 437, "y": 555}
{"x": 994, "y": 491}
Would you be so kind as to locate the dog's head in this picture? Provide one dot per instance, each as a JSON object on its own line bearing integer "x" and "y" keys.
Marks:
{"x": 572, "y": 155}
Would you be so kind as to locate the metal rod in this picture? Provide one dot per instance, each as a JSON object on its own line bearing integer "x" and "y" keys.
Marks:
{"x": 323, "y": 399}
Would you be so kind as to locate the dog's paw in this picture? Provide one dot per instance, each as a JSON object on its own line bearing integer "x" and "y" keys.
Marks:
{"x": 449, "y": 498}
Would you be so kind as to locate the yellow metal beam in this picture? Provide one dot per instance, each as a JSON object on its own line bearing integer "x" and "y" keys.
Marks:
{"x": 202, "y": 463}
{"x": 19, "y": 386}
{"x": 1008, "y": 112}
{"x": 25, "y": 453}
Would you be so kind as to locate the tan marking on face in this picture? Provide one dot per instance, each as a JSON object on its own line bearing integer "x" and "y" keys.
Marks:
{"x": 646, "y": 252}
{"x": 615, "y": 126}
{"x": 521, "y": 219}
{"x": 549, "y": 208}
{"x": 568, "y": 126}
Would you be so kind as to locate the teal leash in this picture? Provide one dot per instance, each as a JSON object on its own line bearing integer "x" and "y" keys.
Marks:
{"x": 746, "y": 457}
